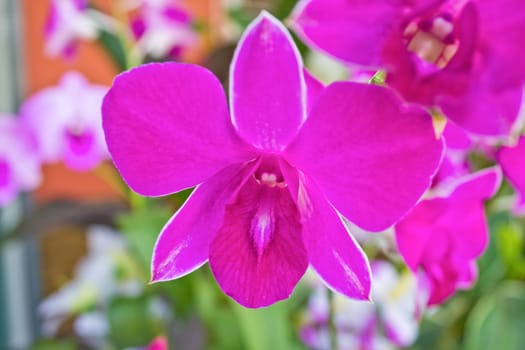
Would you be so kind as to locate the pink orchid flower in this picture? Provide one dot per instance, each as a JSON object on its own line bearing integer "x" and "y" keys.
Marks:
{"x": 269, "y": 174}
{"x": 163, "y": 28}
{"x": 19, "y": 161}
{"x": 512, "y": 162}
{"x": 68, "y": 23}
{"x": 458, "y": 55}
{"x": 67, "y": 122}
{"x": 445, "y": 234}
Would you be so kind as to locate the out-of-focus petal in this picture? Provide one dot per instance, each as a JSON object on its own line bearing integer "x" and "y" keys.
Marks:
{"x": 167, "y": 127}
{"x": 159, "y": 343}
{"x": 67, "y": 123}
{"x": 443, "y": 235}
{"x": 183, "y": 244}
{"x": 258, "y": 255}
{"x": 456, "y": 138}
{"x": 19, "y": 159}
{"x": 495, "y": 116}
{"x": 413, "y": 232}
{"x": 512, "y": 161}
{"x": 8, "y": 186}
{"x": 81, "y": 152}
{"x": 370, "y": 155}
{"x": 353, "y": 31}
{"x": 502, "y": 26}
{"x": 267, "y": 88}
{"x": 67, "y": 23}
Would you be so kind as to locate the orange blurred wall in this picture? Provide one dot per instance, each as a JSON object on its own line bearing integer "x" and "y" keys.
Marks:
{"x": 97, "y": 66}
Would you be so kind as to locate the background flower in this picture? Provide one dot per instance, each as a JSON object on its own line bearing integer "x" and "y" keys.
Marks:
{"x": 67, "y": 123}
{"x": 19, "y": 161}
{"x": 68, "y": 22}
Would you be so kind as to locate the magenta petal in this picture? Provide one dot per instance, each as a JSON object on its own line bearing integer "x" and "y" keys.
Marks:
{"x": 502, "y": 26}
{"x": 496, "y": 116}
{"x": 414, "y": 232}
{"x": 443, "y": 235}
{"x": 258, "y": 255}
{"x": 460, "y": 211}
{"x": 456, "y": 138}
{"x": 183, "y": 244}
{"x": 332, "y": 251}
{"x": 267, "y": 89}
{"x": 167, "y": 127}
{"x": 512, "y": 161}
{"x": 313, "y": 89}
{"x": 8, "y": 186}
{"x": 353, "y": 31}
{"x": 371, "y": 156}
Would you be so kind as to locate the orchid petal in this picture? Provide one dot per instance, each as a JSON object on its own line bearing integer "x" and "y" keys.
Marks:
{"x": 464, "y": 212}
{"x": 313, "y": 89}
{"x": 167, "y": 127}
{"x": 502, "y": 25}
{"x": 460, "y": 210}
{"x": 333, "y": 252}
{"x": 183, "y": 244}
{"x": 346, "y": 29}
{"x": 8, "y": 186}
{"x": 512, "y": 161}
{"x": 456, "y": 138}
{"x": 414, "y": 232}
{"x": 443, "y": 235}
{"x": 371, "y": 156}
{"x": 267, "y": 89}
{"x": 258, "y": 256}
{"x": 496, "y": 116}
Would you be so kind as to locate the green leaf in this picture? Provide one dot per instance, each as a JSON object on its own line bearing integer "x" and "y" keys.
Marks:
{"x": 497, "y": 321}
{"x": 114, "y": 47}
{"x": 265, "y": 328}
{"x": 131, "y": 325}
{"x": 141, "y": 228}
{"x": 510, "y": 244}
{"x": 49, "y": 344}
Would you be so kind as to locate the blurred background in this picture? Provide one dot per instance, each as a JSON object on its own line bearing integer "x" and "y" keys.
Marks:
{"x": 75, "y": 249}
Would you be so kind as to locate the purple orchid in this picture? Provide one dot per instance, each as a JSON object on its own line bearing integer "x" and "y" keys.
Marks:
{"x": 458, "y": 55}
{"x": 512, "y": 162}
{"x": 163, "y": 28}
{"x": 67, "y": 122}
{"x": 269, "y": 173}
{"x": 68, "y": 23}
{"x": 19, "y": 162}
{"x": 445, "y": 234}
